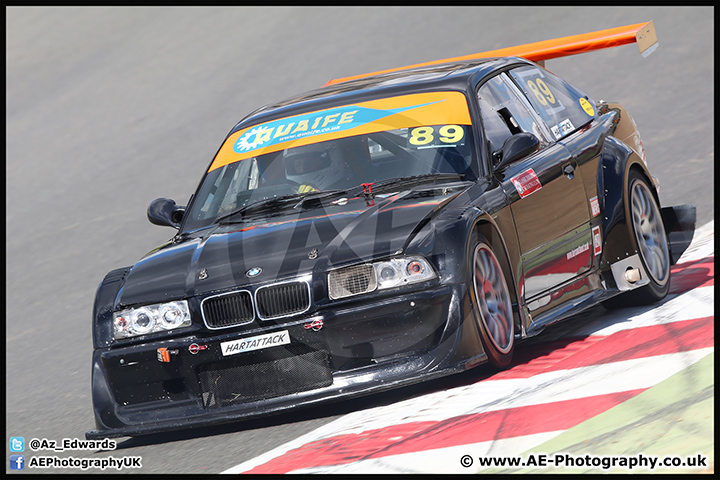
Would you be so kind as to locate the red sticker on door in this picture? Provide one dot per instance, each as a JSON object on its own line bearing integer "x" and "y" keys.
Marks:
{"x": 597, "y": 241}
{"x": 526, "y": 183}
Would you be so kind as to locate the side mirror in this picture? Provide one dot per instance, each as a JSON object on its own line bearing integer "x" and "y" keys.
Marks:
{"x": 164, "y": 212}
{"x": 516, "y": 147}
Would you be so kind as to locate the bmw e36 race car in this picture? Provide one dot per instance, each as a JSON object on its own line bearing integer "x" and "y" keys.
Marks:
{"x": 382, "y": 230}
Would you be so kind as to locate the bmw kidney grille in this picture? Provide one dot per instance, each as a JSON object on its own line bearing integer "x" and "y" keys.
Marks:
{"x": 271, "y": 301}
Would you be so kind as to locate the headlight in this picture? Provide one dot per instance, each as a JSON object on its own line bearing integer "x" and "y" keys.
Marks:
{"x": 151, "y": 318}
{"x": 346, "y": 282}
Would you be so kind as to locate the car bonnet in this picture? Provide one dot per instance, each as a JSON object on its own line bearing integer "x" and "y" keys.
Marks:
{"x": 286, "y": 245}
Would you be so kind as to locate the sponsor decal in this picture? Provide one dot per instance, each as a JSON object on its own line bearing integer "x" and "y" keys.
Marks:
{"x": 316, "y": 123}
{"x": 526, "y": 183}
{"x": 587, "y": 107}
{"x": 255, "y": 343}
{"x": 577, "y": 251}
{"x": 597, "y": 241}
{"x": 563, "y": 128}
{"x": 595, "y": 206}
{"x": 163, "y": 354}
{"x": 406, "y": 111}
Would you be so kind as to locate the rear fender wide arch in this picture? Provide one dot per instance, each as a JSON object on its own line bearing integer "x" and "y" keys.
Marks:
{"x": 639, "y": 167}
{"x": 616, "y": 161}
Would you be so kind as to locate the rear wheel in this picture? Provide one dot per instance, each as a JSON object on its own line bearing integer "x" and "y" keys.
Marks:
{"x": 649, "y": 231}
{"x": 492, "y": 302}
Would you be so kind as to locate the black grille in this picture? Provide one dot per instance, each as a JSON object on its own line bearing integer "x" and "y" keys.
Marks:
{"x": 236, "y": 381}
{"x": 281, "y": 300}
{"x": 228, "y": 310}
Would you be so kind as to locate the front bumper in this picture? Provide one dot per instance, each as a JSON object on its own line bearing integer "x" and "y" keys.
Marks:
{"x": 359, "y": 348}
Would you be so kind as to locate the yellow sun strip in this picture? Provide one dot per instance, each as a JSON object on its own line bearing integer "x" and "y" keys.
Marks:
{"x": 433, "y": 108}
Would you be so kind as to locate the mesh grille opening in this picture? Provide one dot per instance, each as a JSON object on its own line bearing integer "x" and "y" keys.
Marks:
{"x": 235, "y": 382}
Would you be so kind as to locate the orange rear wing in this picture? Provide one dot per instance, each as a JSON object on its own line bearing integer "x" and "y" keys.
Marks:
{"x": 641, "y": 33}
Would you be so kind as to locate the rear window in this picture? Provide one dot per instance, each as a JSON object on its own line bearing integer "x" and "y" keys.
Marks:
{"x": 563, "y": 107}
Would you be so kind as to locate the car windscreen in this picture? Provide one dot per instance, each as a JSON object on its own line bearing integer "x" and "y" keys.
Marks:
{"x": 337, "y": 148}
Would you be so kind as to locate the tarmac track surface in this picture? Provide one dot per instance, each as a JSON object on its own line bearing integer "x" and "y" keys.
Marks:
{"x": 109, "y": 108}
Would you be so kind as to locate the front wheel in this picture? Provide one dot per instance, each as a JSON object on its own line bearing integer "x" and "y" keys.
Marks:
{"x": 652, "y": 245}
{"x": 493, "y": 307}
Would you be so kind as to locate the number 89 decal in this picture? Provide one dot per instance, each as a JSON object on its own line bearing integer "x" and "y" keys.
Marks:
{"x": 437, "y": 136}
{"x": 541, "y": 91}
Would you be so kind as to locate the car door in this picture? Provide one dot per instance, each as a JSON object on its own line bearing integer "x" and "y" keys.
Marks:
{"x": 546, "y": 197}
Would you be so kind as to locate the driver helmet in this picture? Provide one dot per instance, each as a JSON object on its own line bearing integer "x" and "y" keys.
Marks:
{"x": 314, "y": 166}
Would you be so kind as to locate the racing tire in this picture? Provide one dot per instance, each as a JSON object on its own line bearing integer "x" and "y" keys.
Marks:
{"x": 652, "y": 245}
{"x": 493, "y": 309}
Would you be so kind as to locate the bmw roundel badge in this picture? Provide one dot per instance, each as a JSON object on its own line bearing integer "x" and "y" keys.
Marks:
{"x": 253, "y": 272}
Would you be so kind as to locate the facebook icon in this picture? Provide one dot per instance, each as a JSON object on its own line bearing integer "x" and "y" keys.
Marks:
{"x": 17, "y": 462}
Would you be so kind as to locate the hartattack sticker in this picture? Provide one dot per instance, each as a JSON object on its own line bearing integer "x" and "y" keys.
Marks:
{"x": 526, "y": 183}
{"x": 595, "y": 206}
{"x": 255, "y": 343}
{"x": 563, "y": 128}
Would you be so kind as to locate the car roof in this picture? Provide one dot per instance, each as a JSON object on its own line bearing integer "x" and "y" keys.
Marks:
{"x": 448, "y": 76}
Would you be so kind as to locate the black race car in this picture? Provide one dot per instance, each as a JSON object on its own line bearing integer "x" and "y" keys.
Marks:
{"x": 381, "y": 231}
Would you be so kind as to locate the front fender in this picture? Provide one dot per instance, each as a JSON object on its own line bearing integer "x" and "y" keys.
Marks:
{"x": 449, "y": 237}
{"x": 446, "y": 240}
